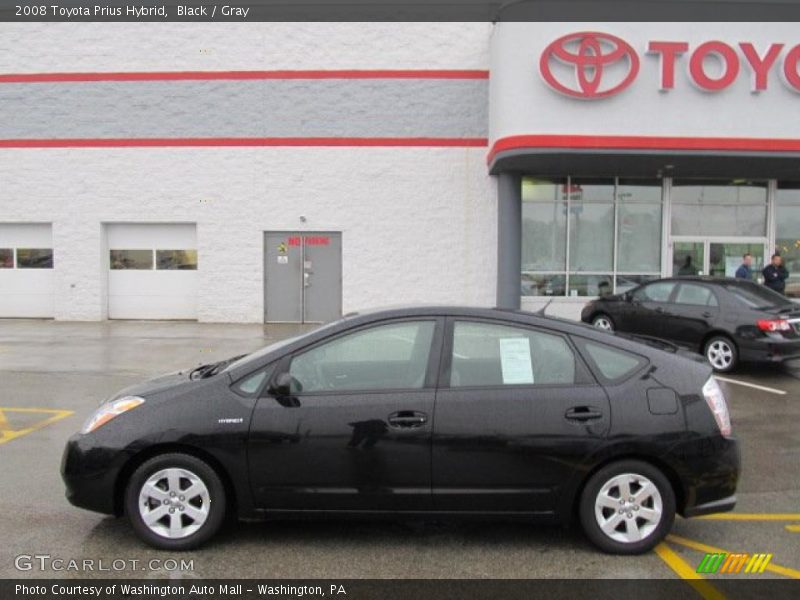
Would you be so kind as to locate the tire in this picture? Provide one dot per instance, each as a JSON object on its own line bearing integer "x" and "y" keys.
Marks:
{"x": 629, "y": 528}
{"x": 603, "y": 321}
{"x": 721, "y": 353}
{"x": 176, "y": 521}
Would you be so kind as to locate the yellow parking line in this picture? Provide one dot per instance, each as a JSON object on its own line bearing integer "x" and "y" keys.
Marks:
{"x": 785, "y": 571}
{"x": 752, "y": 517}
{"x": 793, "y": 528}
{"x": 7, "y": 434}
{"x": 686, "y": 572}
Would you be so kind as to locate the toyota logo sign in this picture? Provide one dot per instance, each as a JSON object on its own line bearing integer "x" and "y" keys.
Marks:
{"x": 590, "y": 65}
{"x": 591, "y": 57}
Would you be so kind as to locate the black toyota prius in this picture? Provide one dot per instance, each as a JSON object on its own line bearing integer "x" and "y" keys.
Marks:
{"x": 418, "y": 411}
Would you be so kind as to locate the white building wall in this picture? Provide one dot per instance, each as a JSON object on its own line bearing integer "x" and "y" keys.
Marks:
{"x": 419, "y": 224}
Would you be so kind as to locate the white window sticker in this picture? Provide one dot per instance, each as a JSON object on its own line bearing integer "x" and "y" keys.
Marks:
{"x": 515, "y": 360}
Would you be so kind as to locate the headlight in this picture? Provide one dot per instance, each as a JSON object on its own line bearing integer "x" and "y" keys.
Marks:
{"x": 109, "y": 410}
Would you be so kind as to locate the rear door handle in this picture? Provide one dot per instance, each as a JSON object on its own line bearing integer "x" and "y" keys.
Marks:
{"x": 407, "y": 418}
{"x": 583, "y": 413}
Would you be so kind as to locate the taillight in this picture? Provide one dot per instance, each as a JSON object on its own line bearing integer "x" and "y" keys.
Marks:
{"x": 774, "y": 325}
{"x": 719, "y": 408}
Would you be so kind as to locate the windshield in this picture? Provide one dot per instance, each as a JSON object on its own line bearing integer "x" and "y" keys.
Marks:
{"x": 756, "y": 296}
{"x": 278, "y": 345}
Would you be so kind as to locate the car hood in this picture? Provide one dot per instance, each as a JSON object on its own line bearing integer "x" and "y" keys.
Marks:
{"x": 155, "y": 385}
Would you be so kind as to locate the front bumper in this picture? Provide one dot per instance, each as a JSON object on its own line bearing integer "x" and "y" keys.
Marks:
{"x": 90, "y": 473}
{"x": 709, "y": 508}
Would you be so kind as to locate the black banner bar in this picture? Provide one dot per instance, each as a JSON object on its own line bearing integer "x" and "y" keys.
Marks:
{"x": 737, "y": 588}
{"x": 394, "y": 10}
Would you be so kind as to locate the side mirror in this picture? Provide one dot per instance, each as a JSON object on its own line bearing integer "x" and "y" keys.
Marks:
{"x": 284, "y": 385}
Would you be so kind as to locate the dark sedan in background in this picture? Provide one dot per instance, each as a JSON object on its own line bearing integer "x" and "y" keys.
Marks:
{"x": 726, "y": 320}
{"x": 419, "y": 411}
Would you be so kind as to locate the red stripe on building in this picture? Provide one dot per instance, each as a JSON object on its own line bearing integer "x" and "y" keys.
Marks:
{"x": 614, "y": 142}
{"x": 270, "y": 141}
{"x": 243, "y": 75}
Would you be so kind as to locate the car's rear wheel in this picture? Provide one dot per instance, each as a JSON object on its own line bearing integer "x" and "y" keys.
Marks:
{"x": 603, "y": 321}
{"x": 627, "y": 507}
{"x": 175, "y": 501}
{"x": 721, "y": 354}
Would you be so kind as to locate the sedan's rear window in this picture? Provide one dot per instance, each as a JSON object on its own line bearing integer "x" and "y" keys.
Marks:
{"x": 756, "y": 296}
{"x": 612, "y": 363}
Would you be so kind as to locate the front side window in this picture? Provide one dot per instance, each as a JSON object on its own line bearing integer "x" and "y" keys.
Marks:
{"x": 392, "y": 356}
{"x": 655, "y": 292}
{"x": 697, "y": 295}
{"x": 34, "y": 258}
{"x": 485, "y": 354}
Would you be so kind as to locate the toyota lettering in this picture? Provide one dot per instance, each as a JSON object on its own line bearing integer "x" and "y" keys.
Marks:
{"x": 592, "y": 65}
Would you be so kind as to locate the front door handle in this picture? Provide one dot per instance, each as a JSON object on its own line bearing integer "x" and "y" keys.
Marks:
{"x": 407, "y": 418}
{"x": 583, "y": 413}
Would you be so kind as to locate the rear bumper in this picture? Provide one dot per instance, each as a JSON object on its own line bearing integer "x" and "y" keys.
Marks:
{"x": 709, "y": 470}
{"x": 774, "y": 350}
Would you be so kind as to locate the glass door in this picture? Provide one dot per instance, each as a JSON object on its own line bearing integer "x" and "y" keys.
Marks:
{"x": 716, "y": 257}
{"x": 688, "y": 258}
{"x": 725, "y": 257}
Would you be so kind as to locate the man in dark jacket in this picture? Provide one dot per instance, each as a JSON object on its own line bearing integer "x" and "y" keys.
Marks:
{"x": 744, "y": 271}
{"x": 775, "y": 274}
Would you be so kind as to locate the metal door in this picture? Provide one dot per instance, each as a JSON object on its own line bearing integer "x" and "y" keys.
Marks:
{"x": 302, "y": 277}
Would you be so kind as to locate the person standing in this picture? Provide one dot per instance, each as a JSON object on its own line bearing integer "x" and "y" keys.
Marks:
{"x": 744, "y": 271}
{"x": 775, "y": 274}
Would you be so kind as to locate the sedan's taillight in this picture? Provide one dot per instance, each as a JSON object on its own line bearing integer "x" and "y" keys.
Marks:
{"x": 771, "y": 325}
{"x": 719, "y": 408}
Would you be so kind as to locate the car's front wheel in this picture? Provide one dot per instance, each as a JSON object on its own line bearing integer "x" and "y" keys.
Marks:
{"x": 627, "y": 507}
{"x": 721, "y": 354}
{"x": 175, "y": 501}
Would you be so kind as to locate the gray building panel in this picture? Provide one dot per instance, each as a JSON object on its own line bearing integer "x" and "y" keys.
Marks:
{"x": 261, "y": 108}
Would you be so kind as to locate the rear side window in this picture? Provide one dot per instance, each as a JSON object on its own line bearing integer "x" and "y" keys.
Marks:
{"x": 655, "y": 292}
{"x": 696, "y": 295}
{"x": 612, "y": 363}
{"x": 485, "y": 354}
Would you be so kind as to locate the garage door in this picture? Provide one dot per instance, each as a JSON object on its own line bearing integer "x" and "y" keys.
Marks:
{"x": 152, "y": 271}
{"x": 26, "y": 270}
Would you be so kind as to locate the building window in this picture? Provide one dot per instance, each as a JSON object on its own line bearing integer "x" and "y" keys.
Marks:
{"x": 147, "y": 260}
{"x": 34, "y": 258}
{"x": 185, "y": 260}
{"x": 718, "y": 208}
{"x": 140, "y": 260}
{"x": 589, "y": 237}
{"x": 6, "y": 258}
{"x": 787, "y": 233}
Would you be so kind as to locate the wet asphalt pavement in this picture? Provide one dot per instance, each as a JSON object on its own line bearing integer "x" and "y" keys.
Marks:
{"x": 62, "y": 367}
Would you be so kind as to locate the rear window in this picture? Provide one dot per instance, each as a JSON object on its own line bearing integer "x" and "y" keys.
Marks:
{"x": 756, "y": 296}
{"x": 612, "y": 363}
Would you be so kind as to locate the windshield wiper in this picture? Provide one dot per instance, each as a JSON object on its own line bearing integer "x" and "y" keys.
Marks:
{"x": 211, "y": 369}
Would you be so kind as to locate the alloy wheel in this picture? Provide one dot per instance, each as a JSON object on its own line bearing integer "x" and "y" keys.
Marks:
{"x": 628, "y": 508}
{"x": 603, "y": 323}
{"x": 720, "y": 354}
{"x": 174, "y": 503}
